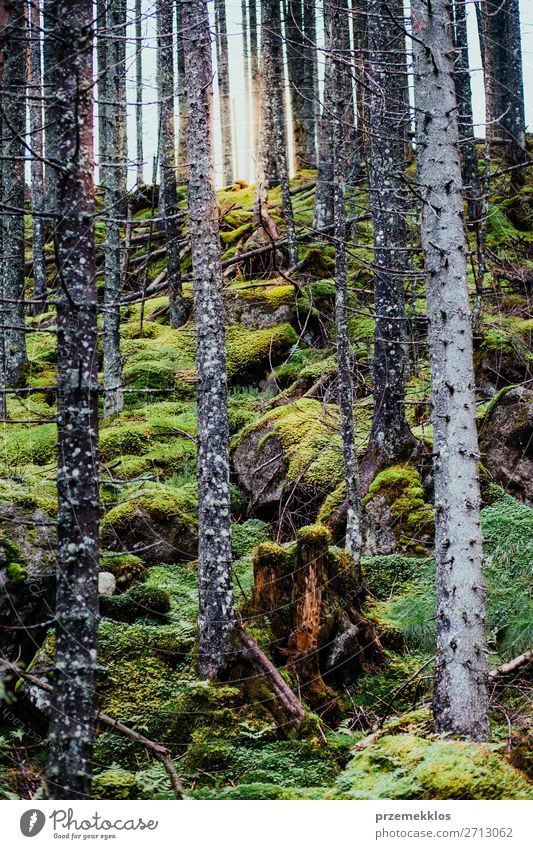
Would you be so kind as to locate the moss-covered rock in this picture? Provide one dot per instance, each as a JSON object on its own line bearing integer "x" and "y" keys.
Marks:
{"x": 139, "y": 602}
{"x": 115, "y": 784}
{"x": 409, "y": 767}
{"x": 157, "y": 523}
{"x": 127, "y": 569}
{"x": 397, "y": 516}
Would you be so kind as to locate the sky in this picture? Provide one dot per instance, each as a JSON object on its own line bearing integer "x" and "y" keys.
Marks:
{"x": 244, "y": 163}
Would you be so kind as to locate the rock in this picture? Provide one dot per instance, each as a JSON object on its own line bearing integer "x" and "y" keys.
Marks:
{"x": 292, "y": 455}
{"x": 158, "y": 525}
{"x": 107, "y": 583}
{"x": 506, "y": 442}
{"x": 261, "y": 307}
{"x": 27, "y": 578}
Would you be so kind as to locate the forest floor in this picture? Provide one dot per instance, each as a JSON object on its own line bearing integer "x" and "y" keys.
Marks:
{"x": 368, "y": 732}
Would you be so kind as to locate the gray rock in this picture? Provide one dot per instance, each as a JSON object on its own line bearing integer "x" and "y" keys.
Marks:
{"x": 107, "y": 583}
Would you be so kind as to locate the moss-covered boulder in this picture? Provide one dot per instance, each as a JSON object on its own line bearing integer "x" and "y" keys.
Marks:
{"x": 258, "y": 304}
{"x": 293, "y": 452}
{"x": 506, "y": 441}
{"x": 114, "y": 784}
{"x": 397, "y": 516}
{"x": 410, "y": 767}
{"x": 158, "y": 524}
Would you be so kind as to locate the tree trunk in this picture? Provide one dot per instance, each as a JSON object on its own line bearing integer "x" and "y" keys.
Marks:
{"x": 13, "y": 47}
{"x": 256, "y": 81}
{"x": 71, "y": 728}
{"x": 300, "y": 85}
{"x": 360, "y": 45}
{"x": 312, "y": 68}
{"x": 112, "y": 149}
{"x": 390, "y": 437}
{"x": 247, "y": 105}
{"x": 504, "y": 83}
{"x": 51, "y": 173}
{"x": 273, "y": 136}
{"x": 35, "y": 114}
{"x": 182, "y": 101}
{"x": 139, "y": 92}
{"x": 224, "y": 99}
{"x": 460, "y": 700}
{"x": 324, "y": 197}
{"x": 168, "y": 205}
{"x": 472, "y": 184}
{"x": 344, "y": 359}
{"x": 216, "y": 621}
{"x": 3, "y": 396}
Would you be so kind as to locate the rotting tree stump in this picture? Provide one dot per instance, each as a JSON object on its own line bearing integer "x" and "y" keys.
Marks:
{"x": 311, "y": 595}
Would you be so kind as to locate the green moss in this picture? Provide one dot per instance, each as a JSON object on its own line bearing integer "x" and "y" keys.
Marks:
{"x": 163, "y": 504}
{"x": 414, "y": 518}
{"x": 410, "y": 767}
{"x": 10, "y": 550}
{"x": 250, "y": 351}
{"x": 124, "y": 438}
{"x": 391, "y": 573}
{"x": 114, "y": 784}
{"x": 16, "y": 573}
{"x": 37, "y": 445}
{"x": 314, "y": 535}
{"x": 139, "y": 601}
{"x": 308, "y": 433}
{"x": 242, "y": 409}
{"x": 127, "y": 569}
{"x": 247, "y": 536}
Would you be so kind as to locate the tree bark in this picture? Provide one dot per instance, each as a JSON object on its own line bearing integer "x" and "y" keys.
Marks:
{"x": 353, "y": 499}
{"x": 312, "y": 66}
{"x": 224, "y": 98}
{"x": 71, "y": 728}
{"x": 390, "y": 436}
{"x": 460, "y": 699}
{"x": 216, "y": 620}
{"x": 35, "y": 114}
{"x": 168, "y": 205}
{"x": 13, "y": 84}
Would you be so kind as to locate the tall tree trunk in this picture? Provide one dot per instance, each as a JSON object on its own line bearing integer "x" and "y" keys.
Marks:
{"x": 51, "y": 172}
{"x": 256, "y": 82}
{"x": 302, "y": 104}
{"x": 504, "y": 82}
{"x": 353, "y": 499}
{"x": 13, "y": 47}
{"x": 216, "y": 621}
{"x": 182, "y": 100}
{"x": 3, "y": 383}
{"x": 247, "y": 104}
{"x": 311, "y": 61}
{"x": 35, "y": 113}
{"x": 168, "y": 203}
{"x": 112, "y": 169}
{"x": 272, "y": 131}
{"x": 139, "y": 92}
{"x": 390, "y": 437}
{"x": 472, "y": 183}
{"x": 324, "y": 197}
{"x": 460, "y": 700}
{"x": 360, "y": 47}
{"x": 71, "y": 728}
{"x": 224, "y": 98}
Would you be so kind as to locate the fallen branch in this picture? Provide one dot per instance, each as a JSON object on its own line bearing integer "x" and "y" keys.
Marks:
{"x": 506, "y": 668}
{"x": 158, "y": 750}
{"x": 266, "y": 668}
